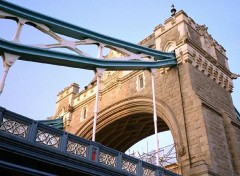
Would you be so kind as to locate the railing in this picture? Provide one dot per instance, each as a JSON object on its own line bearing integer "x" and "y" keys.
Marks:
{"x": 41, "y": 135}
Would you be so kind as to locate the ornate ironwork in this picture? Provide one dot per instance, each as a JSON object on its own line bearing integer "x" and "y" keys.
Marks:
{"x": 77, "y": 149}
{"x": 23, "y": 127}
{"x": 47, "y": 138}
{"x": 147, "y": 172}
{"x": 107, "y": 159}
{"x": 14, "y": 127}
{"x": 129, "y": 166}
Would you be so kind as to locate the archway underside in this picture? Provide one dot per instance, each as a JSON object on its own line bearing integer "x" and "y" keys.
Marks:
{"x": 128, "y": 130}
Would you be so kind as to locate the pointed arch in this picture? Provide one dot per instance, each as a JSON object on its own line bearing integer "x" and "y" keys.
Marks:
{"x": 170, "y": 46}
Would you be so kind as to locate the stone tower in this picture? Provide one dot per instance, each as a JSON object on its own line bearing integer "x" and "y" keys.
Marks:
{"x": 193, "y": 102}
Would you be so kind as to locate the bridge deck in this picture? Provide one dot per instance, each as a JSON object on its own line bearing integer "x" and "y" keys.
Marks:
{"x": 31, "y": 148}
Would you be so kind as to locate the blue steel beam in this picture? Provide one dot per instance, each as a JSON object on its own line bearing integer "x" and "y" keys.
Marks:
{"x": 77, "y": 32}
{"x": 80, "y": 33}
{"x": 35, "y": 54}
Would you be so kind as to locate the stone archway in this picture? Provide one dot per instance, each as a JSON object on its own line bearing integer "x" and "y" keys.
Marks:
{"x": 124, "y": 123}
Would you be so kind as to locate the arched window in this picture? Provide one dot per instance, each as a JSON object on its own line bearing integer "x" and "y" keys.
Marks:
{"x": 170, "y": 46}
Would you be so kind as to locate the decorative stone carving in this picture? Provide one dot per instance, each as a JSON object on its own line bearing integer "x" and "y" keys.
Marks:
{"x": 204, "y": 64}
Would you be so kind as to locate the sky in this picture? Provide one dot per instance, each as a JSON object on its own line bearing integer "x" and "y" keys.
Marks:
{"x": 31, "y": 88}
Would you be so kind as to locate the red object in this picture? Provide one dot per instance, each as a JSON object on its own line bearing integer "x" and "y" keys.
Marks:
{"x": 94, "y": 155}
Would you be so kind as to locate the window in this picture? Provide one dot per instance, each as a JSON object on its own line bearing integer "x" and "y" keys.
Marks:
{"x": 140, "y": 81}
{"x": 84, "y": 113}
{"x": 140, "y": 77}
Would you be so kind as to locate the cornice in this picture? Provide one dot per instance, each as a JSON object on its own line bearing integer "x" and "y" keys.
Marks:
{"x": 163, "y": 30}
{"x": 201, "y": 60}
{"x": 208, "y": 57}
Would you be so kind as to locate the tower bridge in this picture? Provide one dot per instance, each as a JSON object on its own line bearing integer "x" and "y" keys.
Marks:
{"x": 187, "y": 91}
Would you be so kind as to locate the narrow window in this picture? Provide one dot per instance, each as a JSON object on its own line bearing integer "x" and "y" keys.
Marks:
{"x": 84, "y": 111}
{"x": 140, "y": 81}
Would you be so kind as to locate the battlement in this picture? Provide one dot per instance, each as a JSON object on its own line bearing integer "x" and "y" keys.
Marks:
{"x": 72, "y": 89}
{"x": 71, "y": 96}
{"x": 86, "y": 93}
{"x": 193, "y": 44}
{"x": 182, "y": 17}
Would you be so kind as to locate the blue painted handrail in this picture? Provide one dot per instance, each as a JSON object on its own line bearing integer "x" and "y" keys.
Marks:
{"x": 20, "y": 129}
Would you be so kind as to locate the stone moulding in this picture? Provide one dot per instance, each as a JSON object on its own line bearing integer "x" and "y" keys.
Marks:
{"x": 213, "y": 70}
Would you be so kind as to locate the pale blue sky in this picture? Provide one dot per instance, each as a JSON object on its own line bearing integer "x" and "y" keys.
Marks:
{"x": 31, "y": 88}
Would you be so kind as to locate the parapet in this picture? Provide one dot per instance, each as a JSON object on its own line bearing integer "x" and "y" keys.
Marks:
{"x": 182, "y": 17}
{"x": 72, "y": 89}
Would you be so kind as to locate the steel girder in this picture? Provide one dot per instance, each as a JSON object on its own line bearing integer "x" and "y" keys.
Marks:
{"x": 139, "y": 57}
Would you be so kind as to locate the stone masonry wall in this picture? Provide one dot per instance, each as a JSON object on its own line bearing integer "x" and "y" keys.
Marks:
{"x": 217, "y": 100}
{"x": 167, "y": 91}
{"x": 201, "y": 113}
{"x": 77, "y": 120}
{"x": 236, "y": 147}
{"x": 210, "y": 92}
{"x": 195, "y": 37}
{"x": 63, "y": 105}
{"x": 171, "y": 35}
{"x": 220, "y": 154}
{"x": 221, "y": 58}
{"x": 198, "y": 146}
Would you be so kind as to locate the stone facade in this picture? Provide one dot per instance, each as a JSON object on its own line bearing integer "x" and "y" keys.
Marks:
{"x": 193, "y": 101}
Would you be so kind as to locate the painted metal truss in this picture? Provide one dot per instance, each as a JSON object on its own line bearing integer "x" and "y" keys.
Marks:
{"x": 135, "y": 57}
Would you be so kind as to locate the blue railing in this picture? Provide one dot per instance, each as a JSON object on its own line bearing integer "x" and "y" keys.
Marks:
{"x": 43, "y": 136}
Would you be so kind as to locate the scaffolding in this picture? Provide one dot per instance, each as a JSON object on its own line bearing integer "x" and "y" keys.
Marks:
{"x": 167, "y": 157}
